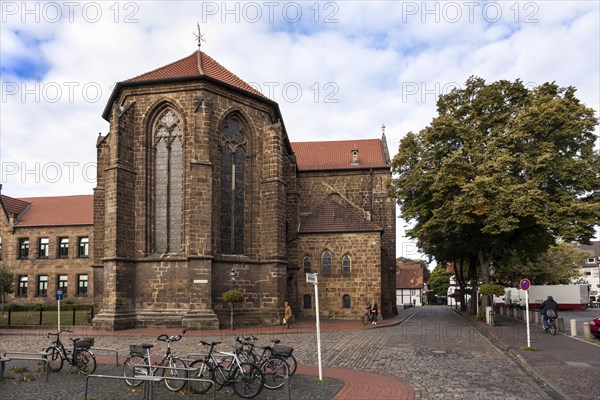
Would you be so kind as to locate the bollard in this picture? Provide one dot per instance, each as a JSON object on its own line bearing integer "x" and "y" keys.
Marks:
{"x": 560, "y": 324}
{"x": 515, "y": 313}
{"x": 536, "y": 317}
{"x": 587, "y": 334}
{"x": 288, "y": 389}
{"x": 573, "y": 327}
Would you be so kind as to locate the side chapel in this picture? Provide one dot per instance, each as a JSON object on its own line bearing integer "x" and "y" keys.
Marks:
{"x": 200, "y": 189}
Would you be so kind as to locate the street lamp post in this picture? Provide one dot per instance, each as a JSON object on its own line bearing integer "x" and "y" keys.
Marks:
{"x": 232, "y": 276}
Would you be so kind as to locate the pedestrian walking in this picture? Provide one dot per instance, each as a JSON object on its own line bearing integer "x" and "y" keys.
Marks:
{"x": 549, "y": 309}
{"x": 288, "y": 316}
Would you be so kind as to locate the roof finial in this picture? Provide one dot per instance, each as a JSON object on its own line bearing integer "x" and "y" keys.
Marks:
{"x": 383, "y": 129}
{"x": 199, "y": 36}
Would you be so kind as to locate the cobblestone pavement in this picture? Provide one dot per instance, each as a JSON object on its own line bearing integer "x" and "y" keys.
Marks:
{"x": 439, "y": 353}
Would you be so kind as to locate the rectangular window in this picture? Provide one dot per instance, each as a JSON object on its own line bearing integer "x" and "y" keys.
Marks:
{"x": 22, "y": 290}
{"x": 44, "y": 248}
{"x": 63, "y": 247}
{"x": 23, "y": 248}
{"x": 63, "y": 281}
{"x": 82, "y": 285}
{"x": 84, "y": 247}
{"x": 42, "y": 285}
{"x": 591, "y": 261}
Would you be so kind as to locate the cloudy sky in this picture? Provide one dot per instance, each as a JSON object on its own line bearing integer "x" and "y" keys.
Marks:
{"x": 339, "y": 70}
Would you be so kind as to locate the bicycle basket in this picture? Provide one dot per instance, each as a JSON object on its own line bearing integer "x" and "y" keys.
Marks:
{"x": 136, "y": 349}
{"x": 85, "y": 343}
{"x": 281, "y": 350}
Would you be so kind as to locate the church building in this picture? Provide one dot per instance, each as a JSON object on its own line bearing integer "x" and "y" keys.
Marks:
{"x": 199, "y": 191}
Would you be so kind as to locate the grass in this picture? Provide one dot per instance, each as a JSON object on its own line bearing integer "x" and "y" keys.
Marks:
{"x": 525, "y": 348}
{"x": 48, "y": 318}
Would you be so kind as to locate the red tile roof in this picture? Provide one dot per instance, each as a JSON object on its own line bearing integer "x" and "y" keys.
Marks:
{"x": 409, "y": 276}
{"x": 196, "y": 64}
{"x": 58, "y": 210}
{"x": 333, "y": 217}
{"x": 14, "y": 206}
{"x": 338, "y": 154}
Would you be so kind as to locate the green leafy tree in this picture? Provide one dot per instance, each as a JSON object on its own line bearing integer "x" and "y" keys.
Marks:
{"x": 6, "y": 285}
{"x": 439, "y": 281}
{"x": 560, "y": 264}
{"x": 502, "y": 170}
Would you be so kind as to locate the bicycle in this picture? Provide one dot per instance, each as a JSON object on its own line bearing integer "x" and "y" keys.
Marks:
{"x": 81, "y": 356}
{"x": 140, "y": 364}
{"x": 274, "y": 367}
{"x": 551, "y": 315}
{"x": 367, "y": 317}
{"x": 245, "y": 377}
{"x": 285, "y": 352}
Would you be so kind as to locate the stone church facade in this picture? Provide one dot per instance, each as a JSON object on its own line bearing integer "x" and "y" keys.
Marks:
{"x": 199, "y": 190}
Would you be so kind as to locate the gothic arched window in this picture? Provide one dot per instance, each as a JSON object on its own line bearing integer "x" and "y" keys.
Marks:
{"x": 346, "y": 264}
{"x": 326, "y": 262}
{"x": 346, "y": 301}
{"x": 307, "y": 266}
{"x": 233, "y": 156}
{"x": 307, "y": 301}
{"x": 168, "y": 183}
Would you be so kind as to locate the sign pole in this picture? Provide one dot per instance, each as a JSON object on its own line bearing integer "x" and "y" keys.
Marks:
{"x": 525, "y": 284}
{"x": 527, "y": 311}
{"x": 58, "y": 315}
{"x": 59, "y": 297}
{"x": 312, "y": 278}
{"x": 318, "y": 332}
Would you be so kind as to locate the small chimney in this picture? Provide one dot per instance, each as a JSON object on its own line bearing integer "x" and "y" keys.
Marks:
{"x": 354, "y": 155}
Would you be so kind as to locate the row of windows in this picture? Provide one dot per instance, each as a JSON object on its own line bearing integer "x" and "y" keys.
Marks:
{"x": 307, "y": 301}
{"x": 83, "y": 248}
{"x": 62, "y": 283}
{"x": 326, "y": 264}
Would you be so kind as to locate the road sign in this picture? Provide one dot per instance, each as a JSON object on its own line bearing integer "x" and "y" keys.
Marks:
{"x": 524, "y": 284}
{"x": 311, "y": 278}
{"x": 59, "y": 294}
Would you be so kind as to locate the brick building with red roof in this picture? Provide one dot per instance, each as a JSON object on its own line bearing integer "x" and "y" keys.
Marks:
{"x": 199, "y": 190}
{"x": 46, "y": 242}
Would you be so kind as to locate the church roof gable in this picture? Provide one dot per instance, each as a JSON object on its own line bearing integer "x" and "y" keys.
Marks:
{"x": 338, "y": 154}
{"x": 332, "y": 217}
{"x": 197, "y": 64}
{"x": 14, "y": 206}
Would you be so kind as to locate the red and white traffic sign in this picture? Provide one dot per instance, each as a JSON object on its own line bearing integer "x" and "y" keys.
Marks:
{"x": 524, "y": 284}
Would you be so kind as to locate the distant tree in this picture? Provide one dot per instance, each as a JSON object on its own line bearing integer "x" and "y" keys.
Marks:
{"x": 439, "y": 281}
{"x": 503, "y": 170}
{"x": 6, "y": 285}
{"x": 560, "y": 264}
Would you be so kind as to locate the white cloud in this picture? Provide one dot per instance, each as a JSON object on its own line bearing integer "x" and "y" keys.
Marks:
{"x": 384, "y": 62}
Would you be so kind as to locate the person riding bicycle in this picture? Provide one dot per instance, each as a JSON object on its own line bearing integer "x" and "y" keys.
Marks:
{"x": 549, "y": 309}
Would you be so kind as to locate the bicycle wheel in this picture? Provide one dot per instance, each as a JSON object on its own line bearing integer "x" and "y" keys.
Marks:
{"x": 248, "y": 380}
{"x": 135, "y": 364}
{"x": 204, "y": 373}
{"x": 173, "y": 384}
{"x": 365, "y": 319}
{"x": 275, "y": 369}
{"x": 55, "y": 360}
{"x": 85, "y": 361}
{"x": 292, "y": 364}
